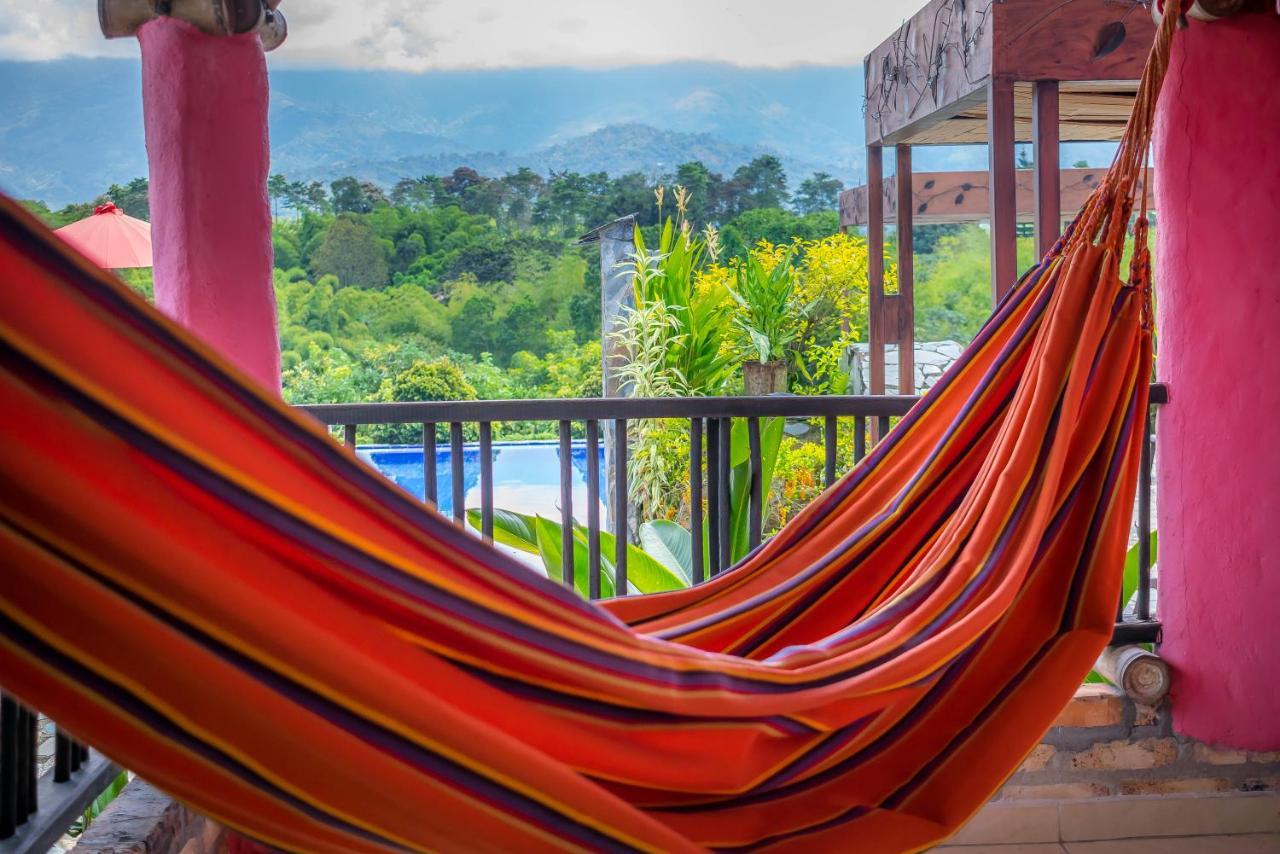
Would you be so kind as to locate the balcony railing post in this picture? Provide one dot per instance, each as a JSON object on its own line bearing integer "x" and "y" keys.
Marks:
{"x": 457, "y": 473}
{"x": 756, "y": 469}
{"x": 62, "y": 749}
{"x": 859, "y": 439}
{"x": 829, "y": 429}
{"x": 713, "y": 496}
{"x": 566, "y": 503}
{"x": 620, "y": 501}
{"x": 695, "y": 500}
{"x": 429, "y": 484}
{"x": 723, "y": 521}
{"x": 486, "y": 481}
{"x": 593, "y": 509}
{"x": 30, "y": 734}
{"x": 8, "y": 767}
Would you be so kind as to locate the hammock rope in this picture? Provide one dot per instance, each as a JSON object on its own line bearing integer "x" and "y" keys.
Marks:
{"x": 206, "y": 587}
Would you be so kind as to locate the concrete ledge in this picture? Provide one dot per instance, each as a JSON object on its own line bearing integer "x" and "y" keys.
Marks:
{"x": 144, "y": 820}
{"x": 1098, "y": 819}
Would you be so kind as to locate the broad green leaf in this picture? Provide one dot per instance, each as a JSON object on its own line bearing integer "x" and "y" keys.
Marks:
{"x": 510, "y": 529}
{"x": 670, "y": 544}
{"x": 550, "y": 551}
{"x": 644, "y": 573}
{"x": 740, "y": 478}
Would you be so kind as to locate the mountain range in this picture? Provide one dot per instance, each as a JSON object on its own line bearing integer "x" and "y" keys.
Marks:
{"x": 71, "y": 127}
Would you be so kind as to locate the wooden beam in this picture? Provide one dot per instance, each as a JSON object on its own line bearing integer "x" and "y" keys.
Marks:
{"x": 906, "y": 320}
{"x": 941, "y": 197}
{"x": 1004, "y": 188}
{"x": 1048, "y": 183}
{"x": 875, "y": 269}
{"x": 1080, "y": 40}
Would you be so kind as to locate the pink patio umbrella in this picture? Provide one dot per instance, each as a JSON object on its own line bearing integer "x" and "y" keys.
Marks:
{"x": 110, "y": 239}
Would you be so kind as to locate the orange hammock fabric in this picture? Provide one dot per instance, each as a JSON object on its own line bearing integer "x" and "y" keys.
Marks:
{"x": 201, "y": 583}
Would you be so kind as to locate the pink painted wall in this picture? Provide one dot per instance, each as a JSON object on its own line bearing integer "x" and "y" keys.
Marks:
{"x": 205, "y": 108}
{"x": 1218, "y": 282}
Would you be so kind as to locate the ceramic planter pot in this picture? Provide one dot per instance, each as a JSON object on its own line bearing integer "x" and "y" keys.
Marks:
{"x": 761, "y": 378}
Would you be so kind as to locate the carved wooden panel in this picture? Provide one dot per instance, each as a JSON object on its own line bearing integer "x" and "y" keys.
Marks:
{"x": 962, "y": 197}
{"x": 938, "y": 57}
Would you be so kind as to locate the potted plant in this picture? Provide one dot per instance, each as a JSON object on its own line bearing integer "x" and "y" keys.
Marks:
{"x": 769, "y": 319}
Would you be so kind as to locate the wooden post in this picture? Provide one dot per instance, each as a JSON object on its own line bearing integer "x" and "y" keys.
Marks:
{"x": 1004, "y": 187}
{"x": 906, "y": 313}
{"x": 1048, "y": 182}
{"x": 875, "y": 265}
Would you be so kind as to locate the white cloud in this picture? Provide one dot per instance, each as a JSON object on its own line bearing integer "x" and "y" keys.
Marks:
{"x": 419, "y": 35}
{"x": 697, "y": 101}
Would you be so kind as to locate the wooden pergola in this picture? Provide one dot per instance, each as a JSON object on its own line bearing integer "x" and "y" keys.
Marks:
{"x": 1000, "y": 72}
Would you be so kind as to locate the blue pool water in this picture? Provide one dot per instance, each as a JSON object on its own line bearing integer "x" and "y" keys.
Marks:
{"x": 526, "y": 475}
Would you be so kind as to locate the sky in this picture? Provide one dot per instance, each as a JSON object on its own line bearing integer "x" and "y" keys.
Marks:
{"x": 423, "y": 35}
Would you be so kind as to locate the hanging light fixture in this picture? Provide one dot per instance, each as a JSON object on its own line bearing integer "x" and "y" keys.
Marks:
{"x": 122, "y": 18}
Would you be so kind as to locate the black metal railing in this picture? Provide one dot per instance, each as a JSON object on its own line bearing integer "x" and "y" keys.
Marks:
{"x": 36, "y": 808}
{"x": 709, "y": 421}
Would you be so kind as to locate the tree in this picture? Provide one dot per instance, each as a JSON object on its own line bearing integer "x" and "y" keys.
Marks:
{"x": 417, "y": 193}
{"x": 743, "y": 232}
{"x": 132, "y": 198}
{"x": 485, "y": 262}
{"x": 821, "y": 192}
{"x": 462, "y": 179}
{"x": 439, "y": 379}
{"x": 475, "y": 327}
{"x": 705, "y": 190}
{"x": 762, "y": 183}
{"x": 302, "y": 196}
{"x": 523, "y": 188}
{"x": 352, "y": 252}
{"x": 277, "y": 189}
{"x": 352, "y": 196}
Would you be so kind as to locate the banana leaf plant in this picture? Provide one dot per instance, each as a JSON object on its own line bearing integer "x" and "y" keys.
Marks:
{"x": 540, "y": 536}
{"x": 703, "y": 317}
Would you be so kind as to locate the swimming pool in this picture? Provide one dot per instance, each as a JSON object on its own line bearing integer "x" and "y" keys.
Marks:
{"x": 526, "y": 475}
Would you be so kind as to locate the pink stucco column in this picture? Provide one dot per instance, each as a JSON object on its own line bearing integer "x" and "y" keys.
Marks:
{"x": 1218, "y": 284}
{"x": 205, "y": 108}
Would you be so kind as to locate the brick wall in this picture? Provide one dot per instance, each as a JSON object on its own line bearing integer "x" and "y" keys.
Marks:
{"x": 1104, "y": 745}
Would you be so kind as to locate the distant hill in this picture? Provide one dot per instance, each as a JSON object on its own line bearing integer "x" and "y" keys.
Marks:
{"x": 70, "y": 128}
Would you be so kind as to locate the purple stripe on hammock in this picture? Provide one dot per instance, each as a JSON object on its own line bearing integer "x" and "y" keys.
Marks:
{"x": 145, "y": 715}
{"x": 411, "y": 754}
{"x": 1012, "y": 346}
{"x": 255, "y": 510}
{"x": 330, "y": 455}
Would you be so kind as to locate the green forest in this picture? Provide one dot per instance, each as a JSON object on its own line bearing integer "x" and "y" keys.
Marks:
{"x": 467, "y": 286}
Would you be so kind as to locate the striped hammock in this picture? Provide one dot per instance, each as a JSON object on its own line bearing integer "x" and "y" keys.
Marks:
{"x": 198, "y": 581}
